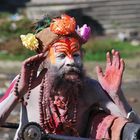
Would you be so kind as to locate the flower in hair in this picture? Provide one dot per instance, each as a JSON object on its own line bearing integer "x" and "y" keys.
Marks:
{"x": 84, "y": 32}
{"x": 29, "y": 41}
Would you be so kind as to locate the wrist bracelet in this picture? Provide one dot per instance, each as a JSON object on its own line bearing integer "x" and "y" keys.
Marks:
{"x": 131, "y": 115}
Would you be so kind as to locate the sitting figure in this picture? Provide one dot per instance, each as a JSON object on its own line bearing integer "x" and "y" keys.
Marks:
{"x": 55, "y": 92}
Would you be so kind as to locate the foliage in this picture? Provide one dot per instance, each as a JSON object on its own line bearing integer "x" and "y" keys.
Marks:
{"x": 10, "y": 29}
{"x": 12, "y": 49}
{"x": 96, "y": 49}
{"x": 4, "y": 15}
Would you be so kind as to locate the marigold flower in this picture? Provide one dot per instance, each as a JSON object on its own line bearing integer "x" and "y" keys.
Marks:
{"x": 64, "y": 25}
{"x": 29, "y": 41}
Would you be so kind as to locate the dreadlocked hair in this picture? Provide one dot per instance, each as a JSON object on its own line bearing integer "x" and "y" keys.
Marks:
{"x": 42, "y": 24}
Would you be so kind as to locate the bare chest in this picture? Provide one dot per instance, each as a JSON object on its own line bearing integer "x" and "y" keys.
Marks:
{"x": 82, "y": 111}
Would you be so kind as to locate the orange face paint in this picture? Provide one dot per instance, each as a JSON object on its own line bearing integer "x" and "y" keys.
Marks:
{"x": 52, "y": 56}
{"x": 65, "y": 45}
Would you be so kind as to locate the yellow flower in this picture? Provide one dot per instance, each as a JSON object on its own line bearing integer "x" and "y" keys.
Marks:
{"x": 29, "y": 41}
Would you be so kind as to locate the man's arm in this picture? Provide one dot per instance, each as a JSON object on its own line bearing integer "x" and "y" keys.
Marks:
{"x": 96, "y": 95}
{"x": 105, "y": 101}
{"x": 29, "y": 66}
{"x": 124, "y": 106}
{"x": 6, "y": 106}
{"x": 111, "y": 83}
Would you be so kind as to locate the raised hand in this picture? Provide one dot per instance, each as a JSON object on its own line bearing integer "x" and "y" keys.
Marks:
{"x": 29, "y": 72}
{"x": 112, "y": 78}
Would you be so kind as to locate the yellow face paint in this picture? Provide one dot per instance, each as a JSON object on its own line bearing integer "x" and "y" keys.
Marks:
{"x": 52, "y": 56}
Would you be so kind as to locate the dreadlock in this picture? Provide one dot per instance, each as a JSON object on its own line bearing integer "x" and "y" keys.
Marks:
{"x": 43, "y": 23}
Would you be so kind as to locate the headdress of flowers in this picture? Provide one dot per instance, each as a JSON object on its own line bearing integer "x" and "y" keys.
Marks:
{"x": 65, "y": 25}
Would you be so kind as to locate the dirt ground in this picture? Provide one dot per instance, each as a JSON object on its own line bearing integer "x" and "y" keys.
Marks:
{"x": 130, "y": 85}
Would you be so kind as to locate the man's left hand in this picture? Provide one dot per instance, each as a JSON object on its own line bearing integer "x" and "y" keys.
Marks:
{"x": 112, "y": 78}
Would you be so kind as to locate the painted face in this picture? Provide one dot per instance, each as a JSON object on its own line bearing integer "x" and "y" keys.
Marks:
{"x": 65, "y": 55}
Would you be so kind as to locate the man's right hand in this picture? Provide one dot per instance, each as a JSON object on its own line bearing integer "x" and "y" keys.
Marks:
{"x": 30, "y": 68}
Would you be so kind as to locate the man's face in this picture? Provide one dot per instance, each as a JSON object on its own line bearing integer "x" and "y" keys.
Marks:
{"x": 65, "y": 56}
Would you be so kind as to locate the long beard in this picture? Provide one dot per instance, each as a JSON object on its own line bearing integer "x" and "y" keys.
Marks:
{"x": 59, "y": 85}
{"x": 68, "y": 84}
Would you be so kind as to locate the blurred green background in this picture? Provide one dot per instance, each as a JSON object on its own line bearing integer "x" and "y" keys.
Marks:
{"x": 12, "y": 49}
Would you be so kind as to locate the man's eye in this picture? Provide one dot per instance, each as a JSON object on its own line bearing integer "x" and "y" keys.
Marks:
{"x": 76, "y": 55}
{"x": 62, "y": 56}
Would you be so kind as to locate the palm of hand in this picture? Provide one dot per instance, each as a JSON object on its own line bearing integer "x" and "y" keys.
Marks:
{"x": 112, "y": 78}
{"x": 29, "y": 72}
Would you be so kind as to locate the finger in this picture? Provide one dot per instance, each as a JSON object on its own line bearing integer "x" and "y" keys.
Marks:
{"x": 38, "y": 60}
{"x": 35, "y": 69}
{"x": 34, "y": 61}
{"x": 113, "y": 52}
{"x": 116, "y": 59}
{"x": 108, "y": 59}
{"x": 37, "y": 57}
{"x": 45, "y": 54}
{"x": 122, "y": 65}
{"x": 113, "y": 56}
{"x": 40, "y": 77}
{"x": 99, "y": 73}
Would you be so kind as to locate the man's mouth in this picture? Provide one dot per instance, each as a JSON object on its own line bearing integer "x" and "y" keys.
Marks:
{"x": 72, "y": 75}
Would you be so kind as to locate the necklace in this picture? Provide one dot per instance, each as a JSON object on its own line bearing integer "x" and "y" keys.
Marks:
{"x": 57, "y": 115}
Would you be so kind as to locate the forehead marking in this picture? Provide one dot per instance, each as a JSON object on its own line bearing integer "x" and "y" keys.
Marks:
{"x": 67, "y": 46}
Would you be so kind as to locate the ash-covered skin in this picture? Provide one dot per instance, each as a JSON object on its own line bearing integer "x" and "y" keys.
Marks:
{"x": 62, "y": 74}
{"x": 65, "y": 59}
{"x": 65, "y": 69}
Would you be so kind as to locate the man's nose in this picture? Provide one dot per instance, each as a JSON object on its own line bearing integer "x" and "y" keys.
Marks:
{"x": 70, "y": 62}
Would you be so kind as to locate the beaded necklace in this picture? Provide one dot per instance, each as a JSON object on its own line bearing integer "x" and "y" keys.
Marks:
{"x": 16, "y": 92}
{"x": 54, "y": 113}
{"x": 52, "y": 120}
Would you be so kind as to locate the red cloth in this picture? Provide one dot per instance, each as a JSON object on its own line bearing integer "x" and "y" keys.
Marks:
{"x": 8, "y": 91}
{"x": 104, "y": 126}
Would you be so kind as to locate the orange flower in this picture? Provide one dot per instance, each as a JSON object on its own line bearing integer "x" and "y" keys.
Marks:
{"x": 64, "y": 25}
